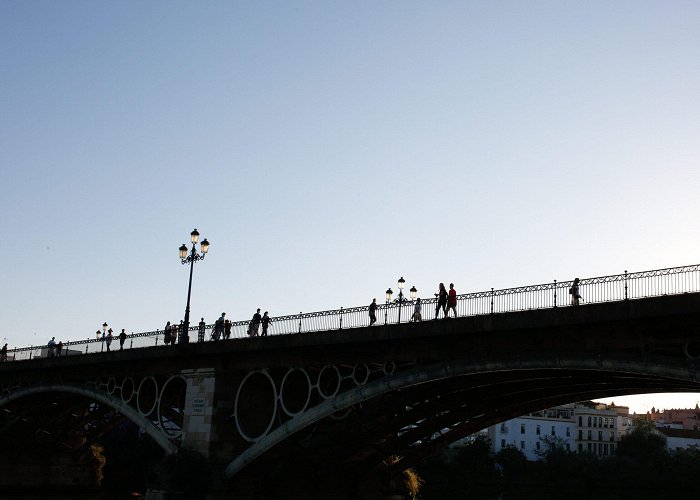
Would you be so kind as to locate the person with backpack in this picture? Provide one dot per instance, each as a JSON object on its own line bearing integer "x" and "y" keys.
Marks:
{"x": 574, "y": 292}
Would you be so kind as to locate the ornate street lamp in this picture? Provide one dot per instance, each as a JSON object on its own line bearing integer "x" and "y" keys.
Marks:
{"x": 104, "y": 333}
{"x": 190, "y": 258}
{"x": 400, "y": 299}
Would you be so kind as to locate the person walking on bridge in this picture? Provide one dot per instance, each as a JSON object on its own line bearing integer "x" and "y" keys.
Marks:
{"x": 122, "y": 338}
{"x": 52, "y": 347}
{"x": 451, "y": 301}
{"x": 416, "y": 311}
{"x": 574, "y": 291}
{"x": 441, "y": 301}
{"x": 3, "y": 353}
{"x": 265, "y": 324}
{"x": 109, "y": 339}
{"x": 255, "y": 324}
{"x": 200, "y": 332}
{"x": 373, "y": 312}
{"x": 227, "y": 329}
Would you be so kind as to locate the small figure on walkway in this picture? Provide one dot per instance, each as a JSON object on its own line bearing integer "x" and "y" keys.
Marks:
{"x": 59, "y": 348}
{"x": 574, "y": 292}
{"x": 227, "y": 329}
{"x": 122, "y": 338}
{"x": 441, "y": 301}
{"x": 265, "y": 324}
{"x": 416, "y": 311}
{"x": 254, "y": 324}
{"x": 3, "y": 353}
{"x": 167, "y": 333}
{"x": 373, "y": 312}
{"x": 218, "y": 327}
{"x": 200, "y": 332}
{"x": 183, "y": 336}
{"x": 451, "y": 301}
{"x": 109, "y": 339}
{"x": 52, "y": 347}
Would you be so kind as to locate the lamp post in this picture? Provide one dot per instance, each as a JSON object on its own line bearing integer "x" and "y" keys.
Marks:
{"x": 190, "y": 258}
{"x": 400, "y": 299}
{"x": 104, "y": 333}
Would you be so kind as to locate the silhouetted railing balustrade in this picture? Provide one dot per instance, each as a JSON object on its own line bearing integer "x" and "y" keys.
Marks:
{"x": 626, "y": 286}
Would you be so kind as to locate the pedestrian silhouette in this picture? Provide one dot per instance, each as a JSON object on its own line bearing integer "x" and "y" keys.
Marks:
{"x": 122, "y": 338}
{"x": 200, "y": 332}
{"x": 265, "y": 324}
{"x": 574, "y": 292}
{"x": 451, "y": 301}
{"x": 416, "y": 311}
{"x": 373, "y": 312}
{"x": 441, "y": 301}
{"x": 254, "y": 324}
{"x": 109, "y": 339}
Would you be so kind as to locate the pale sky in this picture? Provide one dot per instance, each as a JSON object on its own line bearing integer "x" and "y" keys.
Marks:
{"x": 326, "y": 148}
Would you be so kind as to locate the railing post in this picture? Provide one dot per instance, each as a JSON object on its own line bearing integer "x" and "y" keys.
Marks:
{"x": 491, "y": 300}
{"x": 341, "y": 318}
{"x": 300, "y": 321}
{"x": 625, "y": 284}
{"x": 555, "y": 293}
{"x": 131, "y": 342}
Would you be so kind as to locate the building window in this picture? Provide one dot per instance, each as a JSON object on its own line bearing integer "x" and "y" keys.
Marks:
{"x": 589, "y": 434}
{"x": 580, "y": 421}
{"x": 612, "y": 435}
{"x": 605, "y": 421}
{"x": 503, "y": 443}
{"x": 580, "y": 435}
{"x": 589, "y": 447}
{"x": 605, "y": 449}
{"x": 600, "y": 448}
{"x": 522, "y": 428}
{"x": 612, "y": 422}
{"x": 568, "y": 446}
{"x": 594, "y": 422}
{"x": 600, "y": 435}
{"x": 504, "y": 429}
{"x": 600, "y": 421}
{"x": 612, "y": 448}
{"x": 538, "y": 430}
{"x": 589, "y": 421}
{"x": 522, "y": 445}
{"x": 568, "y": 432}
{"x": 554, "y": 432}
{"x": 580, "y": 447}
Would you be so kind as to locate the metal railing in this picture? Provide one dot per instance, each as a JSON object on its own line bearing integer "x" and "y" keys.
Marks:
{"x": 626, "y": 286}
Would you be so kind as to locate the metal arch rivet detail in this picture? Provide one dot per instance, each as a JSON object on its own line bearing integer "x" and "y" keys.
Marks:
{"x": 285, "y": 384}
{"x": 328, "y": 394}
{"x": 138, "y": 397}
{"x": 238, "y": 408}
{"x": 167, "y": 429}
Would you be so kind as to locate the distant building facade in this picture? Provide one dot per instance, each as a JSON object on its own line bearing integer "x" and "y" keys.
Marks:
{"x": 580, "y": 427}
{"x": 688, "y": 419}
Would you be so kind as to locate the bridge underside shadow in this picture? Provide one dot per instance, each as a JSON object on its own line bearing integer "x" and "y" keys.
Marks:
{"x": 456, "y": 377}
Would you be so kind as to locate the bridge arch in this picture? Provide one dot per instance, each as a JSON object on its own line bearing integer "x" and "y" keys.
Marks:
{"x": 639, "y": 373}
{"x": 91, "y": 393}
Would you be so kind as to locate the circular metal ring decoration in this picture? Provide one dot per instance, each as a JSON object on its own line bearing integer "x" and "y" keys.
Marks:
{"x": 295, "y": 391}
{"x": 128, "y": 389}
{"x": 256, "y": 402}
{"x": 171, "y": 405}
{"x": 328, "y": 381}
{"x": 360, "y": 374}
{"x": 147, "y": 396}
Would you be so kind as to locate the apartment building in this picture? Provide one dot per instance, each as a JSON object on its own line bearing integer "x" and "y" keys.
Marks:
{"x": 579, "y": 427}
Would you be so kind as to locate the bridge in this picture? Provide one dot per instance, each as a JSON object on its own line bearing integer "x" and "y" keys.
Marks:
{"x": 328, "y": 404}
